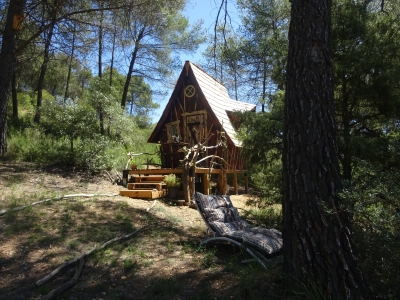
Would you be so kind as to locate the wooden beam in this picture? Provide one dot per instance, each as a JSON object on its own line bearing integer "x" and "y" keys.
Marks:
{"x": 167, "y": 171}
{"x": 146, "y": 185}
{"x": 206, "y": 183}
{"x": 143, "y": 194}
{"x": 246, "y": 183}
{"x": 235, "y": 185}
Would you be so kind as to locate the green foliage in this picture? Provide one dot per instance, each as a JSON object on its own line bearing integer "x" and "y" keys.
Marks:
{"x": 372, "y": 201}
{"x": 367, "y": 76}
{"x": 172, "y": 180}
{"x": 141, "y": 104}
{"x": 261, "y": 135}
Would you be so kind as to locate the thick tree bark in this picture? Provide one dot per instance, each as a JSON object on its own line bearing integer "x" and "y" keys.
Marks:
{"x": 131, "y": 65}
{"x": 318, "y": 245}
{"x": 43, "y": 71}
{"x": 14, "y": 97}
{"x": 7, "y": 66}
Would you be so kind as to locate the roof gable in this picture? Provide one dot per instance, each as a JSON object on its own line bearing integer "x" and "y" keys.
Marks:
{"x": 215, "y": 95}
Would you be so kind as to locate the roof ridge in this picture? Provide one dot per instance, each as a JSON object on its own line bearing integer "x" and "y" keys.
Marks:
{"x": 201, "y": 69}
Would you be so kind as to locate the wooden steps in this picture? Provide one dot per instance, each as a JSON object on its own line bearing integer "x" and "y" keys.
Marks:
{"x": 145, "y": 187}
{"x": 156, "y": 178}
{"x": 143, "y": 194}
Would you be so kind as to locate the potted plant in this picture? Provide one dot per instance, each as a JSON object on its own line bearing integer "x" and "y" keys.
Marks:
{"x": 173, "y": 183}
{"x": 133, "y": 165}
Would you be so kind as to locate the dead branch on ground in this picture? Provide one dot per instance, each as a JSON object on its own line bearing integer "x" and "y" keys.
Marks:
{"x": 154, "y": 203}
{"x": 72, "y": 261}
{"x": 54, "y": 293}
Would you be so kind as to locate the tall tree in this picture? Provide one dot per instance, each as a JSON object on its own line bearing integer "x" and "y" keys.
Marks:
{"x": 156, "y": 30}
{"x": 7, "y": 66}
{"x": 9, "y": 49}
{"x": 367, "y": 76}
{"x": 43, "y": 69}
{"x": 318, "y": 245}
{"x": 265, "y": 26}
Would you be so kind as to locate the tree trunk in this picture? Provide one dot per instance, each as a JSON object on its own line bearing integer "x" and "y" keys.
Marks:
{"x": 318, "y": 247}
{"x": 112, "y": 52}
{"x": 43, "y": 70}
{"x": 101, "y": 113}
{"x": 14, "y": 97}
{"x": 346, "y": 119}
{"x": 264, "y": 88}
{"x": 100, "y": 64}
{"x": 7, "y": 66}
{"x": 66, "y": 95}
{"x": 131, "y": 65}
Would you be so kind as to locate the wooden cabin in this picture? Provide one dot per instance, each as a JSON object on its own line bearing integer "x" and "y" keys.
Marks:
{"x": 198, "y": 109}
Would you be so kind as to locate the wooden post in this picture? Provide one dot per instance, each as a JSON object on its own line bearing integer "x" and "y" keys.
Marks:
{"x": 246, "y": 183}
{"x": 192, "y": 181}
{"x": 125, "y": 174}
{"x": 171, "y": 156}
{"x": 206, "y": 183}
{"x": 235, "y": 185}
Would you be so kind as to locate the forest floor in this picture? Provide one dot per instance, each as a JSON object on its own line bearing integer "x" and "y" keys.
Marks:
{"x": 161, "y": 261}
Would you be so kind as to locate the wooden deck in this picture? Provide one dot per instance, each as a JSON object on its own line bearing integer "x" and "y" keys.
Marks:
{"x": 148, "y": 184}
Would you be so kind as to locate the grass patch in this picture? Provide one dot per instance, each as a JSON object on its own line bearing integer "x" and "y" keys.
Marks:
{"x": 164, "y": 287}
{"x": 130, "y": 265}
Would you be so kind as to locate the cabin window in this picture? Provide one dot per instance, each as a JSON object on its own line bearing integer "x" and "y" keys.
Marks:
{"x": 173, "y": 132}
{"x": 190, "y": 91}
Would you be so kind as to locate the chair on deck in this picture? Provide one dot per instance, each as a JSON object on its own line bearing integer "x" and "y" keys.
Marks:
{"x": 224, "y": 224}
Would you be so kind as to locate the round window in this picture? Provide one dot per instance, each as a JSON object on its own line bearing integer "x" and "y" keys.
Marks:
{"x": 189, "y": 91}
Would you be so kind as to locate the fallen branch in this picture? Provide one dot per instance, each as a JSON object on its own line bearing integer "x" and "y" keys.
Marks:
{"x": 54, "y": 293}
{"x": 123, "y": 237}
{"x": 5, "y": 210}
{"x": 110, "y": 177}
{"x": 154, "y": 203}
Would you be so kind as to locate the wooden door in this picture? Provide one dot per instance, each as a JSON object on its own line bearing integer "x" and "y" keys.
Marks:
{"x": 195, "y": 127}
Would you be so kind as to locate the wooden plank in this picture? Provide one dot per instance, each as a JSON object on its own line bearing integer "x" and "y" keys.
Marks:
{"x": 143, "y": 194}
{"x": 146, "y": 185}
{"x": 206, "y": 183}
{"x": 151, "y": 178}
{"x": 172, "y": 171}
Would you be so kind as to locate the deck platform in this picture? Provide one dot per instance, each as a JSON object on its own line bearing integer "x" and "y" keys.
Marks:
{"x": 148, "y": 184}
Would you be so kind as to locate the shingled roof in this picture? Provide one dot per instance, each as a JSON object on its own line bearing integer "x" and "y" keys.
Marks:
{"x": 217, "y": 97}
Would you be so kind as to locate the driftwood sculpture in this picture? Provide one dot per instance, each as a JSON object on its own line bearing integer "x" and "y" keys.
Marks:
{"x": 190, "y": 161}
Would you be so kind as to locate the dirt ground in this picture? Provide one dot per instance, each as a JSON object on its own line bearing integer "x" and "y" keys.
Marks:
{"x": 162, "y": 261}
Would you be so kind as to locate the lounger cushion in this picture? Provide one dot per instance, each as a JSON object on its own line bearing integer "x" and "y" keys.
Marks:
{"x": 213, "y": 201}
{"x": 222, "y": 214}
{"x": 267, "y": 240}
{"x": 223, "y": 217}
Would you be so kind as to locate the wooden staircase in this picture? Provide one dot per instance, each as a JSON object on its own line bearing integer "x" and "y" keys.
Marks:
{"x": 145, "y": 187}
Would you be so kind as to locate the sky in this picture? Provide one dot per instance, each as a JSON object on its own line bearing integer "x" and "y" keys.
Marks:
{"x": 207, "y": 10}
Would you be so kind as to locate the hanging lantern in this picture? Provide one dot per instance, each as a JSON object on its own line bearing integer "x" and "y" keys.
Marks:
{"x": 17, "y": 22}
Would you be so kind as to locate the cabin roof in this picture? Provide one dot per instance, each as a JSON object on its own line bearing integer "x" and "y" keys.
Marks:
{"x": 217, "y": 97}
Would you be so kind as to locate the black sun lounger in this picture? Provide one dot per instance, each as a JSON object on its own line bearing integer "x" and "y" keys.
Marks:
{"x": 224, "y": 225}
